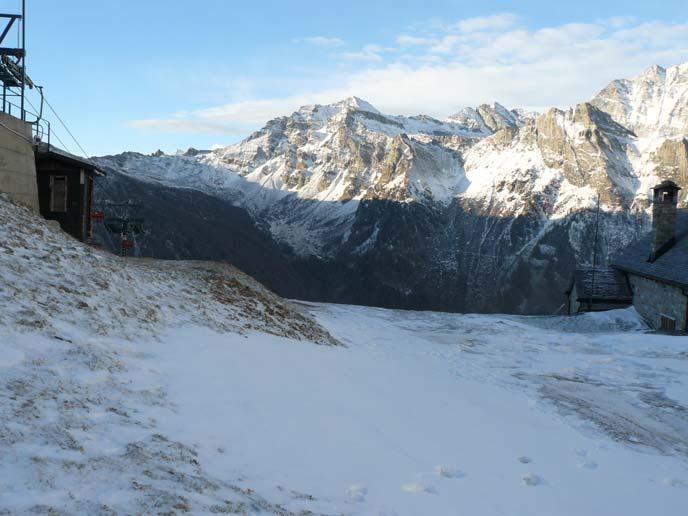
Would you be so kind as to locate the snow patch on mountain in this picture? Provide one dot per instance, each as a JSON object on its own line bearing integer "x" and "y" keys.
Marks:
{"x": 487, "y": 119}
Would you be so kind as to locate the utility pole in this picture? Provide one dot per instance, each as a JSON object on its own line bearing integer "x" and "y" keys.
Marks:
{"x": 13, "y": 61}
{"x": 23, "y": 59}
{"x": 594, "y": 252}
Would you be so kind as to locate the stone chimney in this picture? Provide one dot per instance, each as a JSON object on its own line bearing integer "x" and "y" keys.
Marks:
{"x": 663, "y": 218}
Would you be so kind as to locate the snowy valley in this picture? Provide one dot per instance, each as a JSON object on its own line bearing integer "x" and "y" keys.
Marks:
{"x": 146, "y": 386}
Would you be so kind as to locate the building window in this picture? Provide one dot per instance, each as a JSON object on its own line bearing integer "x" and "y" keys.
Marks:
{"x": 58, "y": 194}
{"x": 667, "y": 323}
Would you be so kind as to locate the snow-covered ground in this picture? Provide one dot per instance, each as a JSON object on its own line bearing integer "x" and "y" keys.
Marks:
{"x": 427, "y": 413}
{"x": 220, "y": 401}
{"x": 421, "y": 413}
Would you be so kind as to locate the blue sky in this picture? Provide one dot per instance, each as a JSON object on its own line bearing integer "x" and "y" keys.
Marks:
{"x": 135, "y": 75}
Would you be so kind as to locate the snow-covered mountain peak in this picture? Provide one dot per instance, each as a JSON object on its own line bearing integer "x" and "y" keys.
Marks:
{"x": 654, "y": 72}
{"x": 356, "y": 104}
{"x": 320, "y": 114}
{"x": 654, "y": 104}
{"x": 487, "y": 118}
{"x": 679, "y": 69}
{"x": 349, "y": 150}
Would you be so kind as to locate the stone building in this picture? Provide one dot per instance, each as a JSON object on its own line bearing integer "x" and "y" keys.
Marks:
{"x": 657, "y": 266}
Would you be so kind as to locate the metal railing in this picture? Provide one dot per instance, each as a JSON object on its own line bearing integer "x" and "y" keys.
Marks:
{"x": 40, "y": 127}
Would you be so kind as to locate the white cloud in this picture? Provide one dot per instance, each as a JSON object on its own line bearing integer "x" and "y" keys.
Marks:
{"x": 367, "y": 53}
{"x": 322, "y": 41}
{"x": 468, "y": 63}
{"x": 181, "y": 125}
{"x": 447, "y": 44}
{"x": 620, "y": 21}
{"x": 493, "y": 22}
{"x": 405, "y": 40}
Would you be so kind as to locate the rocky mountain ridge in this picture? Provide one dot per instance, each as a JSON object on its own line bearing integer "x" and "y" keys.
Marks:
{"x": 489, "y": 191}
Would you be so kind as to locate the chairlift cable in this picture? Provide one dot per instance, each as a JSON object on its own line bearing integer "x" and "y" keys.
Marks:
{"x": 52, "y": 131}
{"x": 64, "y": 145}
{"x": 86, "y": 155}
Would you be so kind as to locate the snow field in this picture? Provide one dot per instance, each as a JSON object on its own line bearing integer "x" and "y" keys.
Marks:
{"x": 404, "y": 421}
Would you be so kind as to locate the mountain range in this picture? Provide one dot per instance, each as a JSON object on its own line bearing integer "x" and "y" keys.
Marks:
{"x": 489, "y": 210}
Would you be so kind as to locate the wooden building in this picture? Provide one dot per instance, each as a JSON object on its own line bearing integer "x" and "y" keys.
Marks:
{"x": 65, "y": 189}
{"x": 594, "y": 290}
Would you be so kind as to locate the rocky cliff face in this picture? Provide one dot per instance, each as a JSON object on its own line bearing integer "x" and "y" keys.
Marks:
{"x": 654, "y": 106}
{"x": 349, "y": 150}
{"x": 489, "y": 210}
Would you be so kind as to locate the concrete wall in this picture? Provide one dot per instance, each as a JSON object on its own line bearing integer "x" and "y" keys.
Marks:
{"x": 653, "y": 299}
{"x": 17, "y": 162}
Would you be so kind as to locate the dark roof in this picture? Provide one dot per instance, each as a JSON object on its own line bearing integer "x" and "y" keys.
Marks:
{"x": 45, "y": 150}
{"x": 601, "y": 284}
{"x": 671, "y": 267}
{"x": 668, "y": 185}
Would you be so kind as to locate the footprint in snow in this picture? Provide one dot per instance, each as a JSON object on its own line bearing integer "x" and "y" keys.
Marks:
{"x": 357, "y": 493}
{"x": 531, "y": 479}
{"x": 587, "y": 462}
{"x": 447, "y": 472}
{"x": 675, "y": 482}
{"x": 415, "y": 488}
